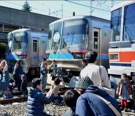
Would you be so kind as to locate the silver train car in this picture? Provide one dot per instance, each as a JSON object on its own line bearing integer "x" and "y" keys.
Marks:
{"x": 30, "y": 47}
{"x": 70, "y": 38}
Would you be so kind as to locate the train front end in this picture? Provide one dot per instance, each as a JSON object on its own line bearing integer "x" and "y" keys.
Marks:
{"x": 68, "y": 43}
{"x": 18, "y": 46}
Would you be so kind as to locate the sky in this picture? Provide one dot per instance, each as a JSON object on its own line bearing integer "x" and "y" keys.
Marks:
{"x": 62, "y": 9}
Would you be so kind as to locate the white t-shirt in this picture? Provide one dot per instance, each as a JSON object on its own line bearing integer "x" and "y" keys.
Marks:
{"x": 104, "y": 77}
{"x": 96, "y": 74}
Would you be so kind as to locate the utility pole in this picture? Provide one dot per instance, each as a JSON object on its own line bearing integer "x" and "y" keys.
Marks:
{"x": 91, "y": 7}
{"x": 61, "y": 10}
{"x": 91, "y": 39}
{"x": 112, "y": 3}
{"x": 49, "y": 12}
{"x": 56, "y": 12}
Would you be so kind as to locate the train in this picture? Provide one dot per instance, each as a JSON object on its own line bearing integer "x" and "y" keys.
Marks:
{"x": 30, "y": 47}
{"x": 122, "y": 45}
{"x": 70, "y": 38}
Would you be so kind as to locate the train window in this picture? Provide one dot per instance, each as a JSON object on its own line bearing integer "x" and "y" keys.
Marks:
{"x": 129, "y": 23}
{"x": 35, "y": 46}
{"x": 116, "y": 24}
{"x": 96, "y": 38}
{"x": 78, "y": 55}
{"x": 95, "y": 34}
{"x": 10, "y": 41}
{"x": 73, "y": 32}
{"x": 56, "y": 36}
{"x": 114, "y": 57}
{"x": 49, "y": 40}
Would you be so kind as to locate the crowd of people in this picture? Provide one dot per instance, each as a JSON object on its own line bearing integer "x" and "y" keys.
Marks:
{"x": 88, "y": 98}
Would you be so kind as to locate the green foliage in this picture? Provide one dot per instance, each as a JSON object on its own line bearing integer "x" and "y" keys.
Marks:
{"x": 2, "y": 50}
{"x": 26, "y": 7}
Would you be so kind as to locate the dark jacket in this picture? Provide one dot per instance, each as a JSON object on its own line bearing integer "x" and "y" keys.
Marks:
{"x": 24, "y": 85}
{"x": 18, "y": 70}
{"x": 36, "y": 101}
{"x": 88, "y": 104}
{"x": 4, "y": 83}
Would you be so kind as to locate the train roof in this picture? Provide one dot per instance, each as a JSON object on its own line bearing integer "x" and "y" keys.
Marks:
{"x": 23, "y": 29}
{"x": 79, "y": 17}
{"x": 27, "y": 29}
{"x": 125, "y": 3}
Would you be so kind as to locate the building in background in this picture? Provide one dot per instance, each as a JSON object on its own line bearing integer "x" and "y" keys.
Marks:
{"x": 11, "y": 19}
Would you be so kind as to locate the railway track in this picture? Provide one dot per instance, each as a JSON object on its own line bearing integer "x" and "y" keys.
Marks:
{"x": 18, "y": 97}
{"x": 22, "y": 101}
{"x": 12, "y": 100}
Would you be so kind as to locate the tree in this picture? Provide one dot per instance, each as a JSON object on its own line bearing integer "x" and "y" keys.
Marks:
{"x": 26, "y": 7}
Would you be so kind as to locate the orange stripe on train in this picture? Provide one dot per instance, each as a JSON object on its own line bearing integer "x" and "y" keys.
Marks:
{"x": 125, "y": 56}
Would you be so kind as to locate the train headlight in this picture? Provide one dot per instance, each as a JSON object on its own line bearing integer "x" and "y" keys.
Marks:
{"x": 22, "y": 56}
{"x": 78, "y": 55}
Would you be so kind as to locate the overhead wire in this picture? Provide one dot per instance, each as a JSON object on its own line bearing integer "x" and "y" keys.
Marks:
{"x": 45, "y": 12}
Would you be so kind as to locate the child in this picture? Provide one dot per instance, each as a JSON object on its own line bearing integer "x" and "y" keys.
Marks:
{"x": 56, "y": 89}
{"x": 24, "y": 85}
{"x": 124, "y": 90}
{"x": 70, "y": 95}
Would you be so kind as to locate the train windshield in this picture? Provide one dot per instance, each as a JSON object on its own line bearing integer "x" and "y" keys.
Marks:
{"x": 129, "y": 23}
{"x": 20, "y": 42}
{"x": 116, "y": 24}
{"x": 75, "y": 32}
{"x": 68, "y": 33}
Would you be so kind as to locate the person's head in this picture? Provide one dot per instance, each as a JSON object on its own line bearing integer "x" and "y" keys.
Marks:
{"x": 54, "y": 62}
{"x": 124, "y": 76}
{"x": 2, "y": 64}
{"x": 82, "y": 84}
{"x": 56, "y": 81}
{"x": 36, "y": 83}
{"x": 19, "y": 62}
{"x": 70, "y": 97}
{"x": 23, "y": 77}
{"x": 91, "y": 56}
{"x": 84, "y": 62}
{"x": 44, "y": 59}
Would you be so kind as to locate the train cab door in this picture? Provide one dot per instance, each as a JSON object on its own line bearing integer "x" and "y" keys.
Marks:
{"x": 96, "y": 41}
{"x": 35, "y": 52}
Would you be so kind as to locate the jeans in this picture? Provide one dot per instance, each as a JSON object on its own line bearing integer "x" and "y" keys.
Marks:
{"x": 43, "y": 79}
